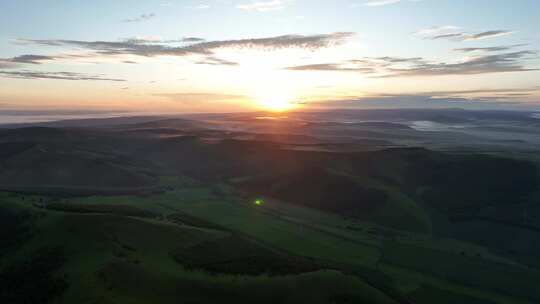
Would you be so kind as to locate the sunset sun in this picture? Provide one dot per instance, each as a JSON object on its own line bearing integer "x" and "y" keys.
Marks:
{"x": 275, "y": 101}
{"x": 275, "y": 104}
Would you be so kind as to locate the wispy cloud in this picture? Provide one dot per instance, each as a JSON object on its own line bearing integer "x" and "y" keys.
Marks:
{"x": 7, "y": 65}
{"x": 438, "y": 30}
{"x": 25, "y": 74}
{"x": 488, "y": 34}
{"x": 347, "y": 66}
{"x": 488, "y": 49}
{"x": 497, "y": 63}
{"x": 10, "y": 63}
{"x": 140, "y": 18}
{"x": 192, "y": 39}
{"x": 212, "y": 60}
{"x": 426, "y": 101}
{"x": 34, "y": 59}
{"x": 194, "y": 46}
{"x": 189, "y": 97}
{"x": 367, "y": 65}
{"x": 375, "y": 3}
{"x": 498, "y": 95}
{"x": 381, "y": 2}
{"x": 455, "y": 33}
{"x": 264, "y": 6}
{"x": 483, "y": 98}
{"x": 202, "y": 6}
{"x": 386, "y": 67}
{"x": 158, "y": 40}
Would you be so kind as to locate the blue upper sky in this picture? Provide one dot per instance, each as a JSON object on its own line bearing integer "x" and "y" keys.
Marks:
{"x": 144, "y": 55}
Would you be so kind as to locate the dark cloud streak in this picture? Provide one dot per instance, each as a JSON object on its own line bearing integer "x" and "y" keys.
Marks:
{"x": 212, "y": 60}
{"x": 331, "y": 67}
{"x": 140, "y": 18}
{"x": 453, "y": 34}
{"x": 488, "y": 49}
{"x": 386, "y": 67}
{"x": 498, "y": 63}
{"x": 148, "y": 49}
{"x": 25, "y": 74}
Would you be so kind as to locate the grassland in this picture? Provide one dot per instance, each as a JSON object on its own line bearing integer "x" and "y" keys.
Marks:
{"x": 169, "y": 247}
{"x": 125, "y": 258}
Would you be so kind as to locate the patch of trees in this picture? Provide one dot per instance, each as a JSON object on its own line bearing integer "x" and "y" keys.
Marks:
{"x": 236, "y": 255}
{"x": 186, "y": 219}
{"x": 319, "y": 188}
{"x": 13, "y": 228}
{"x": 12, "y": 148}
{"x": 124, "y": 210}
{"x": 472, "y": 182}
{"x": 33, "y": 280}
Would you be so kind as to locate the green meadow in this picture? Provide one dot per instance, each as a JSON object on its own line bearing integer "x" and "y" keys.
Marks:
{"x": 167, "y": 247}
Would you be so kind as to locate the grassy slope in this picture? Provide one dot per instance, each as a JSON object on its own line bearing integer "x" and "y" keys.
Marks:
{"x": 309, "y": 232}
{"x": 119, "y": 259}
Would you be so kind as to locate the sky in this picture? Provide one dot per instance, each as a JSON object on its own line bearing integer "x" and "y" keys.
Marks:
{"x": 180, "y": 56}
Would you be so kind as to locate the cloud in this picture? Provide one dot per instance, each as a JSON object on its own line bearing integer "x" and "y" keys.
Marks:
{"x": 488, "y": 34}
{"x": 398, "y": 59}
{"x": 454, "y": 33}
{"x": 194, "y": 46}
{"x": 202, "y": 6}
{"x": 158, "y": 40}
{"x": 212, "y": 60}
{"x": 381, "y": 2}
{"x": 457, "y": 36}
{"x": 140, "y": 18}
{"x": 498, "y": 63}
{"x": 386, "y": 67}
{"x": 10, "y": 63}
{"x": 311, "y": 42}
{"x": 199, "y": 97}
{"x": 264, "y": 6}
{"x": 367, "y": 65}
{"x": 498, "y": 95}
{"x": 192, "y": 39}
{"x": 438, "y": 30}
{"x": 427, "y": 100}
{"x": 25, "y": 74}
{"x": 375, "y": 3}
{"x": 498, "y": 91}
{"x": 488, "y": 49}
{"x": 341, "y": 67}
{"x": 6, "y": 64}
{"x": 33, "y": 59}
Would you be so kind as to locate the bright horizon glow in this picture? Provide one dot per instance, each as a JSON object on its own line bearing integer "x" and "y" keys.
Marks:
{"x": 274, "y": 101}
{"x": 275, "y": 104}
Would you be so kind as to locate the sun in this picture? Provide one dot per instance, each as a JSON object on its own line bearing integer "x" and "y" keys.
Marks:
{"x": 275, "y": 101}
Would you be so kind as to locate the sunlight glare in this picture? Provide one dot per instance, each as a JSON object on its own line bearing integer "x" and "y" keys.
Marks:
{"x": 274, "y": 101}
